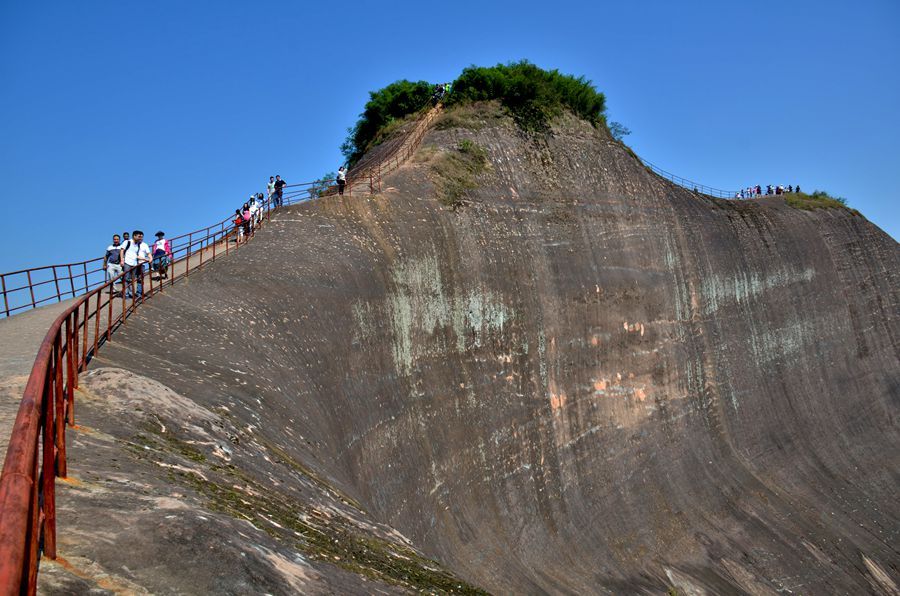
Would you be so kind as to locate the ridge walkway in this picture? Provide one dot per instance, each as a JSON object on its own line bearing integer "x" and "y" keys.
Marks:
{"x": 65, "y": 336}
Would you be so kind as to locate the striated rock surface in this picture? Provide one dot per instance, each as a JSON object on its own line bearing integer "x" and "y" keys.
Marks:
{"x": 581, "y": 380}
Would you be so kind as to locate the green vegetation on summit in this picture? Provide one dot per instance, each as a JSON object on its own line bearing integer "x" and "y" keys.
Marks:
{"x": 385, "y": 106}
{"x": 532, "y": 95}
{"x": 819, "y": 199}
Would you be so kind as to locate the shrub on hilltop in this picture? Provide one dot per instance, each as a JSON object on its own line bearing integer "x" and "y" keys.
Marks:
{"x": 385, "y": 106}
{"x": 531, "y": 94}
{"x": 819, "y": 199}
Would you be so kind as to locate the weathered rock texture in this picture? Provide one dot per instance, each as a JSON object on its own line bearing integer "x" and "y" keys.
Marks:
{"x": 582, "y": 380}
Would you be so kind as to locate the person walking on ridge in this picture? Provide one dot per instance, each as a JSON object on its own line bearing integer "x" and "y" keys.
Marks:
{"x": 270, "y": 188}
{"x": 238, "y": 222}
{"x": 341, "y": 180}
{"x": 262, "y": 207}
{"x": 248, "y": 217}
{"x": 279, "y": 190}
{"x": 112, "y": 262}
{"x": 254, "y": 212}
{"x": 162, "y": 255}
{"x": 135, "y": 254}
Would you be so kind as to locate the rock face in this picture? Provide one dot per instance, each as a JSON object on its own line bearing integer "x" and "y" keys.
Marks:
{"x": 583, "y": 379}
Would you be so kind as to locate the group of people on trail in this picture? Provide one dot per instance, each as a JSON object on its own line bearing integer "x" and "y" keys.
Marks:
{"x": 439, "y": 91}
{"x": 275, "y": 190}
{"x": 248, "y": 217}
{"x": 752, "y": 192}
{"x": 129, "y": 254}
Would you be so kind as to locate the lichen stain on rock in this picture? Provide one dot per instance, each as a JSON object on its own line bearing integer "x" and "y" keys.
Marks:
{"x": 419, "y": 308}
{"x": 769, "y": 345}
{"x": 719, "y": 290}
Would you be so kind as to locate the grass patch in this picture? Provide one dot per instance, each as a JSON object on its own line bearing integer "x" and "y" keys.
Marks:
{"x": 456, "y": 172}
{"x": 322, "y": 536}
{"x": 470, "y": 116}
{"x": 819, "y": 199}
{"x": 394, "y": 128}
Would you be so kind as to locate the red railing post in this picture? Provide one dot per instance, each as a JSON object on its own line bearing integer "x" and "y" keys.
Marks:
{"x": 49, "y": 468}
{"x": 109, "y": 311}
{"x": 5, "y": 299}
{"x": 32, "y": 534}
{"x": 31, "y": 288}
{"x": 60, "y": 405}
{"x": 56, "y": 283}
{"x": 97, "y": 322}
{"x": 82, "y": 362}
{"x": 71, "y": 280}
{"x": 71, "y": 342}
{"x": 187, "y": 262}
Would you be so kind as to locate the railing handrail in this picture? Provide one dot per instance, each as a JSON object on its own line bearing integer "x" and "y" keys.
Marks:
{"x": 36, "y": 454}
{"x": 687, "y": 183}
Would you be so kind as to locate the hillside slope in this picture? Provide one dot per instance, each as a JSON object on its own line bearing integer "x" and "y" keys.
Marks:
{"x": 583, "y": 379}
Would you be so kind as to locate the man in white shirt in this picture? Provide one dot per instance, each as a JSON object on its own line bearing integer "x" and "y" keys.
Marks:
{"x": 135, "y": 253}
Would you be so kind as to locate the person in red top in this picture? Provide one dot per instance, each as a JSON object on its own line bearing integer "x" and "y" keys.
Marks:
{"x": 238, "y": 222}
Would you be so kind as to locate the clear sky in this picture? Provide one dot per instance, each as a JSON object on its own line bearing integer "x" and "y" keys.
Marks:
{"x": 167, "y": 114}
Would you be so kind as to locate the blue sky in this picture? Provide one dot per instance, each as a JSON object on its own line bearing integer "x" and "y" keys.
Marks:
{"x": 166, "y": 114}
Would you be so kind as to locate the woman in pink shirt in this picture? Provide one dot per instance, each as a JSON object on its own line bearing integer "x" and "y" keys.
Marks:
{"x": 162, "y": 255}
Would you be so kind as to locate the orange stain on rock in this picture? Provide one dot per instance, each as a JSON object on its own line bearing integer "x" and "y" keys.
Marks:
{"x": 557, "y": 401}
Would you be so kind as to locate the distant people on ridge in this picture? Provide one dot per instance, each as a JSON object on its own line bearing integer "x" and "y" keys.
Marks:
{"x": 341, "y": 180}
{"x": 437, "y": 94}
{"x": 270, "y": 188}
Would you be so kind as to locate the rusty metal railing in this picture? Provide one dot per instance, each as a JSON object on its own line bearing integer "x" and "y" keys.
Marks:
{"x": 689, "y": 184}
{"x": 36, "y": 454}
